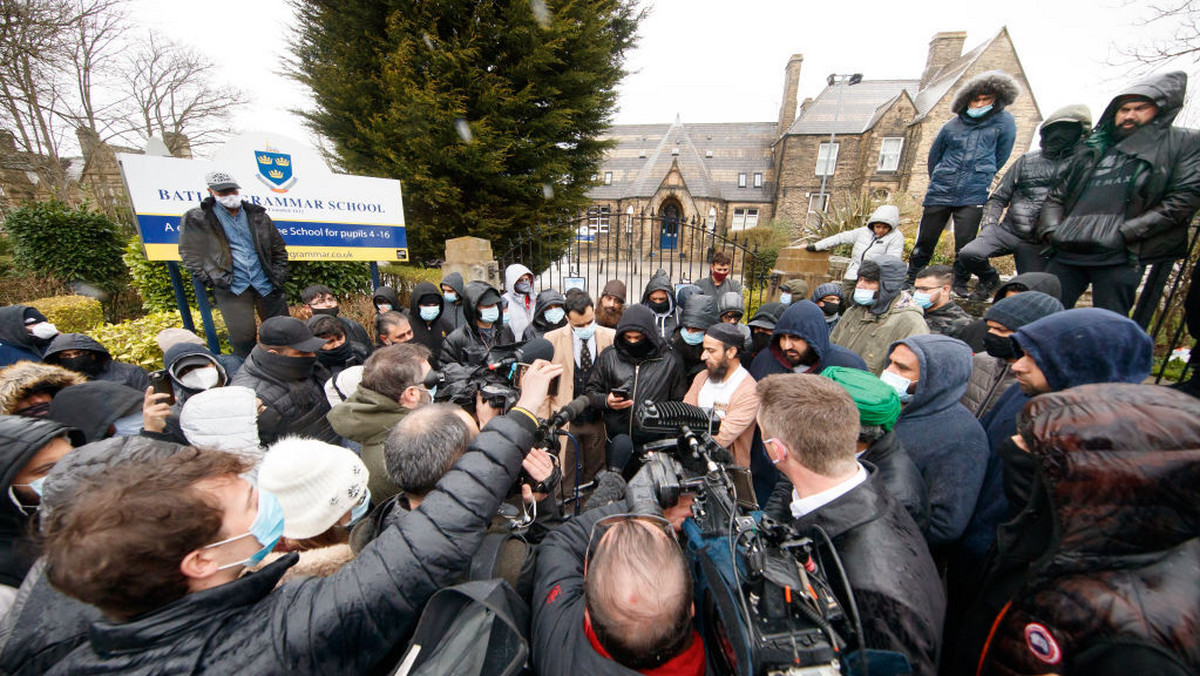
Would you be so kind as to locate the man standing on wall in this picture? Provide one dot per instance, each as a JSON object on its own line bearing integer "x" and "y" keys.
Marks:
{"x": 233, "y": 248}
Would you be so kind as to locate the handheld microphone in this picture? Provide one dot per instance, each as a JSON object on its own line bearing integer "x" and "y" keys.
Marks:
{"x": 526, "y": 353}
{"x": 618, "y": 453}
{"x": 568, "y": 413}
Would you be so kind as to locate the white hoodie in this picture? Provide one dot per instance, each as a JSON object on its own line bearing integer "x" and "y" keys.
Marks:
{"x": 520, "y": 305}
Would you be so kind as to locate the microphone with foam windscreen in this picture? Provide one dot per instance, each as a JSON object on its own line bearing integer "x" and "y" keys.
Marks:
{"x": 569, "y": 412}
{"x": 527, "y": 353}
{"x": 618, "y": 453}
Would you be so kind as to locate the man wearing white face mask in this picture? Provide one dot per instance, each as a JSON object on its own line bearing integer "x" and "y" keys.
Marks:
{"x": 233, "y": 247}
{"x": 192, "y": 369}
{"x": 946, "y": 442}
{"x": 576, "y": 346}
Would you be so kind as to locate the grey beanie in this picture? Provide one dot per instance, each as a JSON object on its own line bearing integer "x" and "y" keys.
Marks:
{"x": 1024, "y": 308}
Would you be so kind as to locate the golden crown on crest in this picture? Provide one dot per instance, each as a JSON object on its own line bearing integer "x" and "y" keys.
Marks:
{"x": 263, "y": 159}
{"x": 275, "y": 173}
{"x": 283, "y": 162}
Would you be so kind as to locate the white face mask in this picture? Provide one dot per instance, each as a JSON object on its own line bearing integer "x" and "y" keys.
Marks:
{"x": 202, "y": 378}
{"x": 44, "y": 330}
{"x": 230, "y": 202}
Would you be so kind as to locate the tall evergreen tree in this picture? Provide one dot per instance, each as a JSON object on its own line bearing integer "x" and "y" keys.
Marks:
{"x": 488, "y": 111}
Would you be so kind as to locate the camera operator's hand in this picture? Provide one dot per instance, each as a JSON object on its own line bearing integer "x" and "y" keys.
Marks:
{"x": 536, "y": 384}
{"x": 540, "y": 466}
{"x": 679, "y": 511}
{"x": 484, "y": 411}
{"x": 155, "y": 410}
{"x": 618, "y": 403}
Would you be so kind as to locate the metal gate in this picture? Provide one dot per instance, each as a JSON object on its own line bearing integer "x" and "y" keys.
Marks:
{"x": 632, "y": 248}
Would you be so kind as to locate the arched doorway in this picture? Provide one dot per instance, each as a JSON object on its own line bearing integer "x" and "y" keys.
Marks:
{"x": 671, "y": 213}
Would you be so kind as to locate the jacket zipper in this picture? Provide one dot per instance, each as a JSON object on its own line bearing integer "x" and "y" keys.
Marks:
{"x": 633, "y": 394}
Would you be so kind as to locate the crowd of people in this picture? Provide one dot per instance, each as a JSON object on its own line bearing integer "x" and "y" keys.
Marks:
{"x": 1004, "y": 492}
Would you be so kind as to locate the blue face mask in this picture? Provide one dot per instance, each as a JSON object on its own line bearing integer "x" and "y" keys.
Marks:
{"x": 785, "y": 298}
{"x": 450, "y": 296}
{"x": 898, "y": 383}
{"x": 360, "y": 510}
{"x": 489, "y": 314}
{"x": 692, "y": 337}
{"x": 586, "y": 332}
{"x": 864, "y": 297}
{"x": 430, "y": 312}
{"x": 979, "y": 112}
{"x": 555, "y": 315}
{"x": 923, "y": 299}
{"x": 267, "y": 529}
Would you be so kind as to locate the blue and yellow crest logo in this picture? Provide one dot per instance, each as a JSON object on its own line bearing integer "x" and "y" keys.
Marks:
{"x": 275, "y": 170}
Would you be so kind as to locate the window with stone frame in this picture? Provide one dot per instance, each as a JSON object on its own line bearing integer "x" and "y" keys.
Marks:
{"x": 744, "y": 219}
{"x": 817, "y": 203}
{"x": 742, "y": 180}
{"x": 889, "y": 153}
{"x": 827, "y": 156}
{"x": 758, "y": 179}
{"x": 598, "y": 218}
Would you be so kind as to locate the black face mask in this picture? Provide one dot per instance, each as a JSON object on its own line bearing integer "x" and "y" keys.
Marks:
{"x": 1000, "y": 347}
{"x": 659, "y": 308}
{"x": 337, "y": 356}
{"x": 639, "y": 350}
{"x": 331, "y": 311}
{"x": 1060, "y": 138}
{"x": 830, "y": 309}
{"x": 87, "y": 364}
{"x": 1020, "y": 470}
{"x": 760, "y": 341}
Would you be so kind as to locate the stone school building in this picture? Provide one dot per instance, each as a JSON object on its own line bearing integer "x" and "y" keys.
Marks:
{"x": 734, "y": 176}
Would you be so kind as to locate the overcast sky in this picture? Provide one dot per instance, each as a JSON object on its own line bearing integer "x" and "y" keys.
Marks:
{"x": 723, "y": 61}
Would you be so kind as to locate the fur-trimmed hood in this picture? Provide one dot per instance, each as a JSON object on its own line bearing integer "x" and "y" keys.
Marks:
{"x": 996, "y": 82}
{"x": 21, "y": 378}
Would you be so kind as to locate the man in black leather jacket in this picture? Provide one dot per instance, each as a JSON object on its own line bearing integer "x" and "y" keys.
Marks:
{"x": 170, "y": 580}
{"x": 810, "y": 426}
{"x": 233, "y": 248}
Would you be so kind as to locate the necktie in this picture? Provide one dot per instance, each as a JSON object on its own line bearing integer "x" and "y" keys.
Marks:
{"x": 585, "y": 358}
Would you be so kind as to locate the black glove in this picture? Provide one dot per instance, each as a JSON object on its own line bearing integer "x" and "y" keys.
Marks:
{"x": 811, "y": 247}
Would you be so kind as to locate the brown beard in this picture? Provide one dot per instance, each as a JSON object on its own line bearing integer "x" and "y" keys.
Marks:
{"x": 608, "y": 318}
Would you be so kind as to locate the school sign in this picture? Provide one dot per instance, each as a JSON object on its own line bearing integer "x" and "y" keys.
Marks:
{"x": 321, "y": 215}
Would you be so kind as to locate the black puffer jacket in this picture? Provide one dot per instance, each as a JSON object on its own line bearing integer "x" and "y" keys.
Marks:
{"x": 1165, "y": 193}
{"x": 294, "y": 399}
{"x": 1027, "y": 183}
{"x": 658, "y": 376}
{"x": 43, "y": 626}
{"x": 895, "y": 583}
{"x": 113, "y": 371}
{"x": 428, "y": 333}
{"x": 205, "y": 252}
{"x": 539, "y": 327}
{"x": 1100, "y": 568}
{"x": 343, "y": 624}
{"x": 699, "y": 312}
{"x": 20, "y": 439}
{"x": 465, "y": 345}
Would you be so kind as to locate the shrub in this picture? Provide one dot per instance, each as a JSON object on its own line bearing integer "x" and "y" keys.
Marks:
{"x": 404, "y": 278}
{"x": 134, "y": 341}
{"x": 74, "y": 244}
{"x": 152, "y": 280}
{"x": 71, "y": 314}
{"x": 766, "y": 241}
{"x": 346, "y": 279}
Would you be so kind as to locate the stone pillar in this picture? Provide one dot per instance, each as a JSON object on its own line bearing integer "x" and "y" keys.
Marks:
{"x": 796, "y": 262}
{"x": 472, "y": 258}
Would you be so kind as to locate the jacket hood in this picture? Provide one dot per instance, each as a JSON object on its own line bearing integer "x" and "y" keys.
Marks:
{"x": 86, "y": 461}
{"x": 886, "y": 213}
{"x": 424, "y": 293}
{"x": 891, "y": 271}
{"x": 179, "y": 351}
{"x": 995, "y": 82}
{"x": 12, "y": 328}
{"x": 826, "y": 289}
{"x": 729, "y": 301}
{"x": 92, "y": 407}
{"x": 22, "y": 378}
{"x": 641, "y": 319}
{"x": 767, "y": 315}
{"x": 20, "y": 439}
{"x": 1031, "y": 281}
{"x": 475, "y": 292}
{"x": 388, "y": 295}
{"x": 1087, "y": 345}
{"x": 945, "y": 365}
{"x": 806, "y": 321}
{"x": 615, "y": 288}
{"x": 1076, "y": 112}
{"x": 455, "y": 281}
{"x": 544, "y": 300}
{"x": 364, "y": 413}
{"x": 74, "y": 341}
{"x": 511, "y": 274}
{"x": 1120, "y": 463}
{"x": 1167, "y": 90}
{"x": 798, "y": 287}
{"x": 699, "y": 312}
{"x": 685, "y": 292}
{"x": 661, "y": 281}
{"x": 222, "y": 419}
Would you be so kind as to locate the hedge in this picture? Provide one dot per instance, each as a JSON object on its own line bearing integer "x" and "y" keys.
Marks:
{"x": 74, "y": 244}
{"x": 71, "y": 314}
{"x": 152, "y": 281}
{"x": 134, "y": 341}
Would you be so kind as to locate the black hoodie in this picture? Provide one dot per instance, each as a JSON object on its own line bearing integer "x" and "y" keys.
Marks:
{"x": 428, "y": 333}
{"x": 699, "y": 311}
{"x": 654, "y": 376}
{"x": 454, "y": 315}
{"x": 131, "y": 375}
{"x": 15, "y": 342}
{"x": 665, "y": 324}
{"x": 1028, "y": 281}
{"x": 93, "y": 407}
{"x": 466, "y": 345}
{"x": 539, "y": 326}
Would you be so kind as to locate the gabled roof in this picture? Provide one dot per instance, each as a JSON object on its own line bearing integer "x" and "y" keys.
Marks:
{"x": 860, "y": 108}
{"x": 946, "y": 78}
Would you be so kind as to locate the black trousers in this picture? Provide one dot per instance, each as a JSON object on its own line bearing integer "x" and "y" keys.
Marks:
{"x": 239, "y": 310}
{"x": 994, "y": 242}
{"x": 933, "y": 222}
{"x": 1113, "y": 286}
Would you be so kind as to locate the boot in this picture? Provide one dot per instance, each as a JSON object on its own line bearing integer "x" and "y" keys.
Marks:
{"x": 988, "y": 283}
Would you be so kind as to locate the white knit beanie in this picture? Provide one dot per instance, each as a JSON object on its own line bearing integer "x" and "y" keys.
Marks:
{"x": 316, "y": 483}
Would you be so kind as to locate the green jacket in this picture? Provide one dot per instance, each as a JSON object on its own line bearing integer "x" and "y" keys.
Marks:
{"x": 870, "y": 335}
{"x": 367, "y": 417}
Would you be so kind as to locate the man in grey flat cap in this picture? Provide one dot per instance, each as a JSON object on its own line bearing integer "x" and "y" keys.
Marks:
{"x": 232, "y": 247}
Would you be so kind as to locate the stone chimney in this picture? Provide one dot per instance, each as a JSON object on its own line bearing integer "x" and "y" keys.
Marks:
{"x": 943, "y": 48}
{"x": 791, "y": 89}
